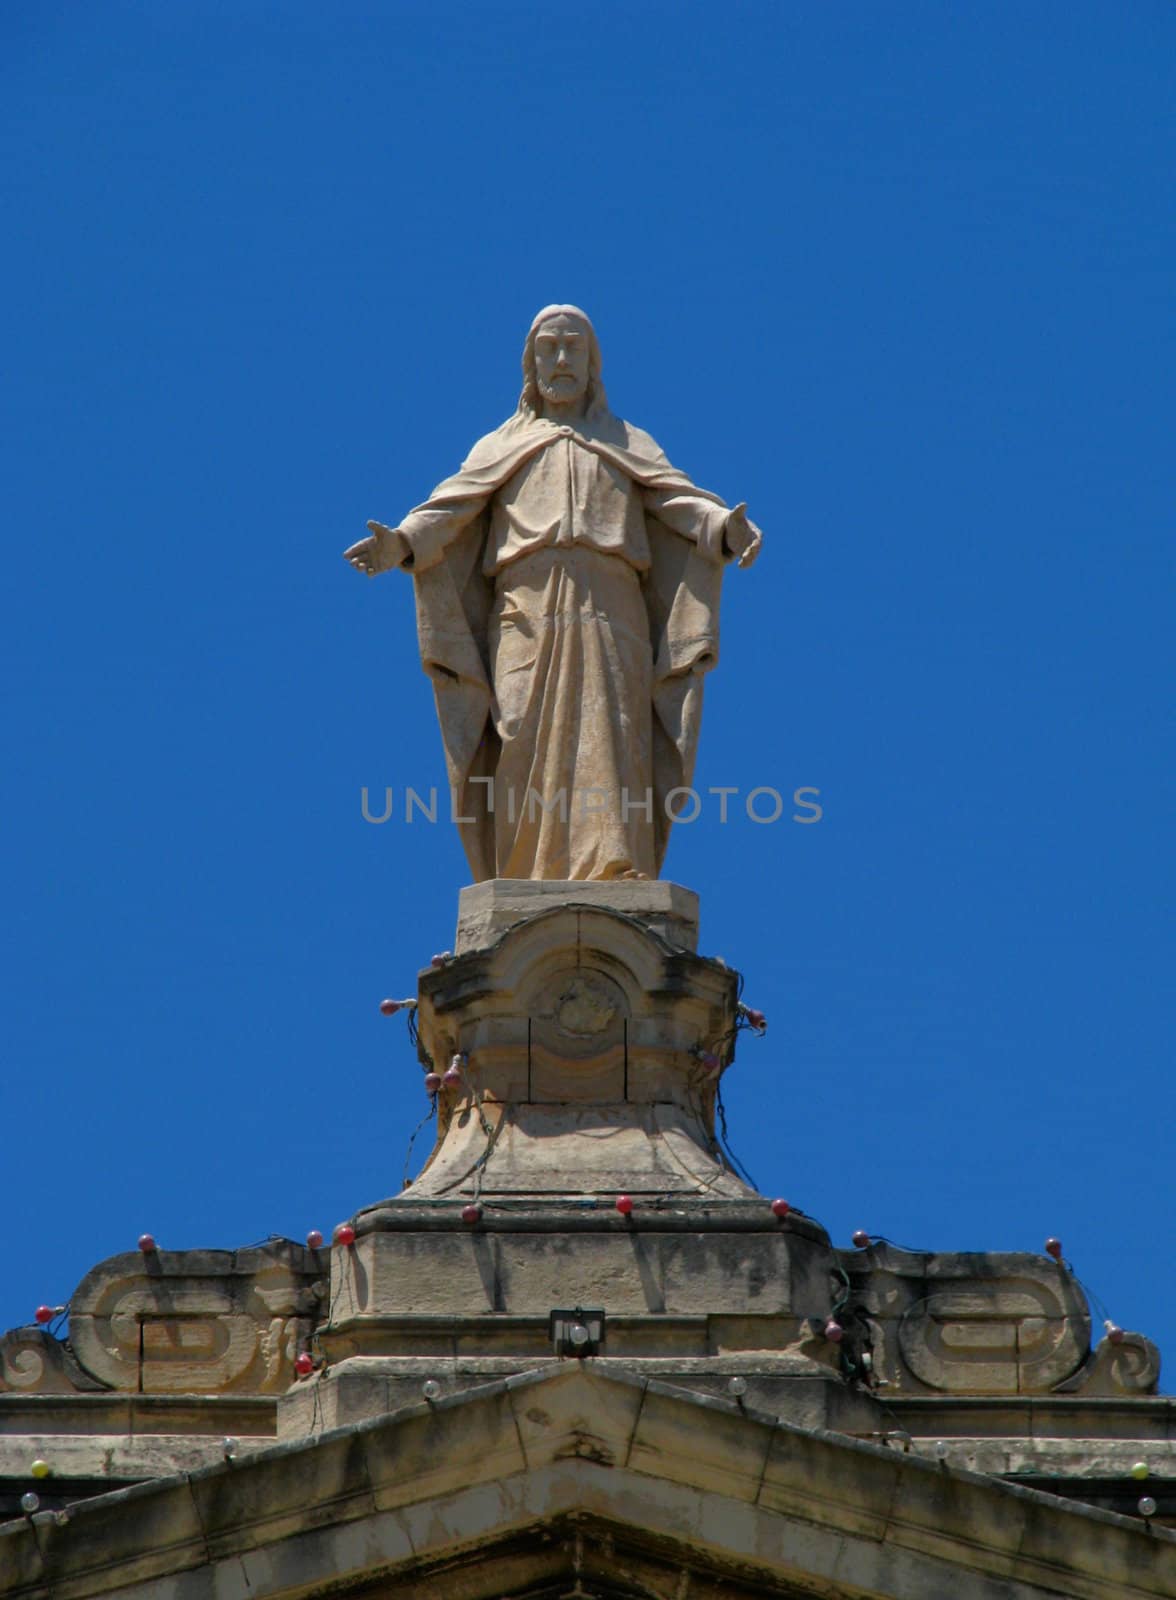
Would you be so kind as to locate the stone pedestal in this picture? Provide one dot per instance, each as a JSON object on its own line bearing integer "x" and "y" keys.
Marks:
{"x": 590, "y": 1038}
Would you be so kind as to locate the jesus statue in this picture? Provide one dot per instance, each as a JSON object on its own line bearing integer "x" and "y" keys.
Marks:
{"x": 567, "y": 591}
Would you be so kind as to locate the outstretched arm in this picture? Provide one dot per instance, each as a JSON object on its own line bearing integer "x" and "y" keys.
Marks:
{"x": 423, "y": 537}
{"x": 719, "y": 532}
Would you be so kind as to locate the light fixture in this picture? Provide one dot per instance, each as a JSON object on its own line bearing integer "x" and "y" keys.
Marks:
{"x": 576, "y": 1333}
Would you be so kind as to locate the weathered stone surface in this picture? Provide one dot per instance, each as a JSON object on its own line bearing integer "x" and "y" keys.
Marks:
{"x": 123, "y": 1458}
{"x": 1129, "y": 1366}
{"x": 421, "y": 1501}
{"x": 795, "y": 1386}
{"x": 590, "y": 1050}
{"x": 32, "y": 1361}
{"x": 197, "y": 1321}
{"x": 687, "y": 1280}
{"x": 485, "y": 911}
{"x": 121, "y": 1413}
{"x": 973, "y": 1323}
{"x": 627, "y": 1271}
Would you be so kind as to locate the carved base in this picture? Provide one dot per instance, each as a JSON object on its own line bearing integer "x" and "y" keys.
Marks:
{"x": 590, "y": 1040}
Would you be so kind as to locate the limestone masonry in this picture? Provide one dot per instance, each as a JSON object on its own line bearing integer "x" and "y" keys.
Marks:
{"x": 749, "y": 1411}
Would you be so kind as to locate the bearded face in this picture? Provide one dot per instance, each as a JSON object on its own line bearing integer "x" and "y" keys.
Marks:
{"x": 563, "y": 347}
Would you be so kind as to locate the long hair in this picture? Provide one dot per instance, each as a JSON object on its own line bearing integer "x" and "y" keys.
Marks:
{"x": 531, "y": 401}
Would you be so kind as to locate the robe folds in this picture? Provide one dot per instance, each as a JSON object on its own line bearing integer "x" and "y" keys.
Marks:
{"x": 567, "y": 643}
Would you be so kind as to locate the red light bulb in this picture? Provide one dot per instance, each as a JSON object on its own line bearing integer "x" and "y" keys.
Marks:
{"x": 834, "y": 1332}
{"x": 452, "y": 1077}
{"x": 146, "y": 1243}
{"x": 1053, "y": 1247}
{"x": 303, "y": 1365}
{"x": 756, "y": 1019}
{"x": 314, "y": 1240}
{"x": 861, "y": 1239}
{"x": 471, "y": 1213}
{"x": 442, "y": 958}
{"x": 44, "y": 1314}
{"x": 433, "y": 1081}
{"x": 1115, "y": 1334}
{"x": 389, "y": 1008}
{"x": 344, "y": 1234}
{"x": 625, "y": 1204}
{"x": 780, "y": 1208}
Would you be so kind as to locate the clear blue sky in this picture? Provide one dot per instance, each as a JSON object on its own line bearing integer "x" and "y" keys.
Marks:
{"x": 898, "y": 276}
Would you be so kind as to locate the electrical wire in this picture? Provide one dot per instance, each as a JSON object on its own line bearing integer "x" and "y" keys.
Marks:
{"x": 736, "y": 1165}
{"x": 428, "y": 1117}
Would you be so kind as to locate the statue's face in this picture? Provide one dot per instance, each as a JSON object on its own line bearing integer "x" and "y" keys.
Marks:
{"x": 562, "y": 351}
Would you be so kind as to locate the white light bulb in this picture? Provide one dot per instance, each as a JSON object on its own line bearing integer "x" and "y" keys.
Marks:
{"x": 1147, "y": 1506}
{"x": 736, "y": 1386}
{"x": 431, "y": 1389}
{"x": 30, "y": 1502}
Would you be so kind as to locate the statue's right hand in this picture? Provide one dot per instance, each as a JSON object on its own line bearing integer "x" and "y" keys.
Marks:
{"x": 362, "y": 556}
{"x": 386, "y": 547}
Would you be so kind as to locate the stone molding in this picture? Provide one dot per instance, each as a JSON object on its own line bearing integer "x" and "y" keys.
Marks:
{"x": 177, "y": 1322}
{"x": 986, "y": 1323}
{"x": 716, "y": 1486}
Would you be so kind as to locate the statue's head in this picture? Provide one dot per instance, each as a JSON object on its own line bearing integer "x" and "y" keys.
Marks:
{"x": 561, "y": 362}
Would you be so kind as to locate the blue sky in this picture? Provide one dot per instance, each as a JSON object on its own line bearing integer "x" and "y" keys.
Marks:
{"x": 899, "y": 277}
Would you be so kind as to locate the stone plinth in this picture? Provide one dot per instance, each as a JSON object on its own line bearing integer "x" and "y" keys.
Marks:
{"x": 708, "y": 1276}
{"x": 485, "y": 911}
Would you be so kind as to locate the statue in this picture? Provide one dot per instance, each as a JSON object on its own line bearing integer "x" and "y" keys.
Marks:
{"x": 567, "y": 591}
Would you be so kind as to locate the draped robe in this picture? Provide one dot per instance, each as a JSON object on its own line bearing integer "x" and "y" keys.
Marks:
{"x": 567, "y": 591}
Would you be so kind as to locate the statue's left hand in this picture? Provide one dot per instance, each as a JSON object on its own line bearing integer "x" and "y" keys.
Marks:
{"x": 741, "y": 536}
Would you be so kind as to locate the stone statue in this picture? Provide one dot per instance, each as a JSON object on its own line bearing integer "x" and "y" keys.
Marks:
{"x": 567, "y": 590}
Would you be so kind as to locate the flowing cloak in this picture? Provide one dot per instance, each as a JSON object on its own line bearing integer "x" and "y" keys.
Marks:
{"x": 454, "y": 598}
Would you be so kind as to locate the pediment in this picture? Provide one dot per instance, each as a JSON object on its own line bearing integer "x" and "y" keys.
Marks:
{"x": 577, "y": 1557}
{"x": 627, "y": 1487}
